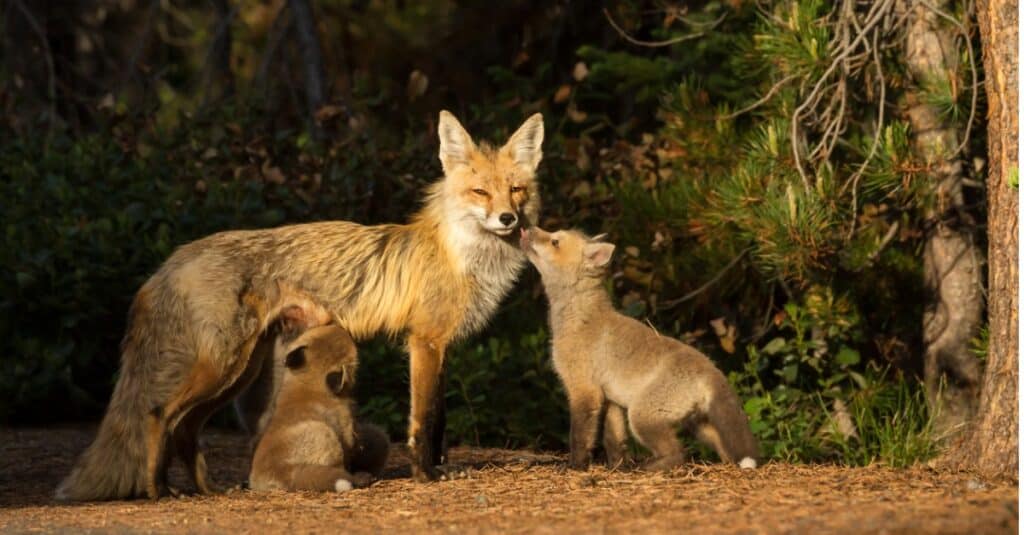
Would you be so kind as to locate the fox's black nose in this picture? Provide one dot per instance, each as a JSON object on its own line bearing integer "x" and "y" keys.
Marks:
{"x": 507, "y": 218}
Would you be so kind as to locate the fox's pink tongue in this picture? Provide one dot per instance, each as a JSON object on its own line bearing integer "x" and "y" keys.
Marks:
{"x": 522, "y": 232}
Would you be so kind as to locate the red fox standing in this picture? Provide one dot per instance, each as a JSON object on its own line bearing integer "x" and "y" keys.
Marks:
{"x": 191, "y": 330}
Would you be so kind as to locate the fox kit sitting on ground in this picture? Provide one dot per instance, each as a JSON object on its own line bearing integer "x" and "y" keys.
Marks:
{"x": 311, "y": 440}
{"x": 255, "y": 406}
{"x": 609, "y": 363}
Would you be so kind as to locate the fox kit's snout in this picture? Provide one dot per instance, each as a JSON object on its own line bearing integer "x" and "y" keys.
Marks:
{"x": 610, "y": 363}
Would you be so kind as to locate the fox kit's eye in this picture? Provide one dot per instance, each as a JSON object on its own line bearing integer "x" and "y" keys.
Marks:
{"x": 517, "y": 189}
{"x": 554, "y": 242}
{"x": 481, "y": 192}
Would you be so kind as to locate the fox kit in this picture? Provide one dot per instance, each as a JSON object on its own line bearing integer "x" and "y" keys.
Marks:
{"x": 256, "y": 405}
{"x": 610, "y": 363}
{"x": 191, "y": 334}
{"x": 311, "y": 441}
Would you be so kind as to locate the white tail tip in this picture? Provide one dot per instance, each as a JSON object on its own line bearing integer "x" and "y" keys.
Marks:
{"x": 342, "y": 485}
{"x": 748, "y": 464}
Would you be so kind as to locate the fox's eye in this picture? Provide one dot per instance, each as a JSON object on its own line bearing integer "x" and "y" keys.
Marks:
{"x": 554, "y": 242}
{"x": 517, "y": 189}
{"x": 479, "y": 191}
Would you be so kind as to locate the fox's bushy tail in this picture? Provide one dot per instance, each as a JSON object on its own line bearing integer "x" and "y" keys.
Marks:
{"x": 731, "y": 435}
{"x": 114, "y": 465}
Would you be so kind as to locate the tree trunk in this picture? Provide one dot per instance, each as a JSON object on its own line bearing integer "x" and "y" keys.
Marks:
{"x": 221, "y": 80}
{"x": 952, "y": 262}
{"x": 312, "y": 61}
{"x": 992, "y": 445}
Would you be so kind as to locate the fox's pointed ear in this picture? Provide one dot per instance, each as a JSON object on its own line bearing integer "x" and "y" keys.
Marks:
{"x": 598, "y": 254}
{"x": 524, "y": 145}
{"x": 456, "y": 145}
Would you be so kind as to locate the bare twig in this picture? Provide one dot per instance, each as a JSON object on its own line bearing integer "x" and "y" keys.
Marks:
{"x": 855, "y": 179}
{"x": 666, "y": 42}
{"x": 767, "y": 96}
{"x": 671, "y": 303}
{"x": 874, "y": 16}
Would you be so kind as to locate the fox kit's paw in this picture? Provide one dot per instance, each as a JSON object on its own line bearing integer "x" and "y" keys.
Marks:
{"x": 342, "y": 485}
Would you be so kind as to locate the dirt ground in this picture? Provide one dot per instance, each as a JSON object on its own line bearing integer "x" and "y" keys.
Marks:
{"x": 516, "y": 491}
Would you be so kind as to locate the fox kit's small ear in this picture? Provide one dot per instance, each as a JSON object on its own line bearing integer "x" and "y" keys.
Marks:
{"x": 296, "y": 359}
{"x": 456, "y": 145}
{"x": 524, "y": 145}
{"x": 336, "y": 381}
{"x": 598, "y": 254}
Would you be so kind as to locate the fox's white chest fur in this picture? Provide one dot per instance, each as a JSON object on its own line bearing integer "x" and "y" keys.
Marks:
{"x": 491, "y": 267}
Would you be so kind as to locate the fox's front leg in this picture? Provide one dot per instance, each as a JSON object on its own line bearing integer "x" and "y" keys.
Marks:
{"x": 425, "y": 359}
{"x": 585, "y": 407}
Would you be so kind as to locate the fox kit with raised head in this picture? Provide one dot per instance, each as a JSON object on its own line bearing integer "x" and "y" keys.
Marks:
{"x": 610, "y": 363}
{"x": 311, "y": 440}
{"x": 191, "y": 334}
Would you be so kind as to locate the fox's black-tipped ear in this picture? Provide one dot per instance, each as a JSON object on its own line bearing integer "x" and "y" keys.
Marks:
{"x": 524, "y": 145}
{"x": 456, "y": 145}
{"x": 296, "y": 359}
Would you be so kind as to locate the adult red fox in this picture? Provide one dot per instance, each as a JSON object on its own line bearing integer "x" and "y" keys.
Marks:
{"x": 191, "y": 329}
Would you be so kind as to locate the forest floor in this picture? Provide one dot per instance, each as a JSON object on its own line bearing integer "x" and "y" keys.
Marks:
{"x": 515, "y": 491}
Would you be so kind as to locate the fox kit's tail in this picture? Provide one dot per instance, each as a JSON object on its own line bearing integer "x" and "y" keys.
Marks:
{"x": 727, "y": 429}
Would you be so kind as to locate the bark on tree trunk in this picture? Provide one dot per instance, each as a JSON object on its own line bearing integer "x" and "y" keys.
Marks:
{"x": 991, "y": 447}
{"x": 221, "y": 79}
{"x": 952, "y": 262}
{"x": 312, "y": 61}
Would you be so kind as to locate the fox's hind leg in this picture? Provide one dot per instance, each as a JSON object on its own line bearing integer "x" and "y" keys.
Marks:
{"x": 657, "y": 434}
{"x": 186, "y": 431}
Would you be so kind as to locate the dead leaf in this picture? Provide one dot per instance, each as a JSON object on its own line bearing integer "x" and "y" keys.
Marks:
{"x": 726, "y": 334}
{"x": 633, "y": 251}
{"x": 580, "y": 71}
{"x": 106, "y": 103}
{"x": 563, "y": 93}
{"x": 272, "y": 174}
{"x": 417, "y": 85}
{"x": 209, "y": 153}
{"x": 328, "y": 112}
{"x": 574, "y": 114}
{"x": 582, "y": 190}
